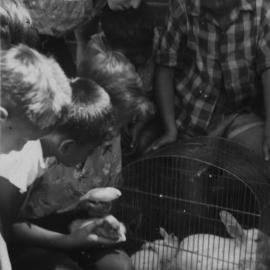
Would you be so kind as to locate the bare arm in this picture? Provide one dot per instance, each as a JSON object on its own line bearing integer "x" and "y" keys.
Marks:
{"x": 11, "y": 201}
{"x": 33, "y": 235}
{"x": 266, "y": 92}
{"x": 165, "y": 101}
{"x": 4, "y": 257}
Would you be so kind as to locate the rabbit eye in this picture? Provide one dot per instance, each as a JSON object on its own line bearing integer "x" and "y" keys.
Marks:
{"x": 258, "y": 240}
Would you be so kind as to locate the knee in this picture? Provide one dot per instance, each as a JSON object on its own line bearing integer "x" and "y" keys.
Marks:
{"x": 115, "y": 261}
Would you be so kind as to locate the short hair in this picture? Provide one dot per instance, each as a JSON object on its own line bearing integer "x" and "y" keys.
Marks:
{"x": 131, "y": 28}
{"x": 115, "y": 73}
{"x": 36, "y": 83}
{"x": 16, "y": 24}
{"x": 90, "y": 117}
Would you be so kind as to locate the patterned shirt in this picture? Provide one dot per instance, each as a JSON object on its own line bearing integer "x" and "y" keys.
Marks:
{"x": 61, "y": 187}
{"x": 57, "y": 17}
{"x": 217, "y": 61}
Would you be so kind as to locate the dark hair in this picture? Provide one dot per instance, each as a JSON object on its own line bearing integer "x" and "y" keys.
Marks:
{"x": 130, "y": 28}
{"x": 16, "y": 24}
{"x": 115, "y": 73}
{"x": 89, "y": 118}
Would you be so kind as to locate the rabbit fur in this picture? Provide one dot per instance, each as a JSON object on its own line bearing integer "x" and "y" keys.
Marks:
{"x": 211, "y": 252}
{"x": 110, "y": 228}
{"x": 156, "y": 255}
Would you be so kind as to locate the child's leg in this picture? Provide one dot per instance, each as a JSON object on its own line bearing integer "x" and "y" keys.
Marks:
{"x": 104, "y": 259}
{"x": 248, "y": 129}
{"x": 115, "y": 260}
{"x": 42, "y": 259}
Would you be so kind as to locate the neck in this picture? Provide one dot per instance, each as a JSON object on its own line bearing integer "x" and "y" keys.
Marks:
{"x": 48, "y": 147}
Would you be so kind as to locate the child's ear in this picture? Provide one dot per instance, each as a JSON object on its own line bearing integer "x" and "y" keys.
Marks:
{"x": 66, "y": 146}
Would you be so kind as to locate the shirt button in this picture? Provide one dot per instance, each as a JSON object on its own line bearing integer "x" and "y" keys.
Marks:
{"x": 33, "y": 3}
{"x": 201, "y": 91}
{"x": 206, "y": 96}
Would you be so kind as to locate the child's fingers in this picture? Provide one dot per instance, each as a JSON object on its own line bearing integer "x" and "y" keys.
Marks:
{"x": 159, "y": 143}
{"x": 93, "y": 238}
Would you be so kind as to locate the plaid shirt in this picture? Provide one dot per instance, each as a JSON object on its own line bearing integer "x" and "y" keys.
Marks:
{"x": 57, "y": 17}
{"x": 216, "y": 62}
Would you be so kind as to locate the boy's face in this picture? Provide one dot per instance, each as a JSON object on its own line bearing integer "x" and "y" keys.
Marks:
{"x": 123, "y": 4}
{"x": 15, "y": 128}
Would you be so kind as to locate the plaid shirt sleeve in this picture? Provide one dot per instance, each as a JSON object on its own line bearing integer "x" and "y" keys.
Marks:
{"x": 170, "y": 39}
{"x": 263, "y": 49}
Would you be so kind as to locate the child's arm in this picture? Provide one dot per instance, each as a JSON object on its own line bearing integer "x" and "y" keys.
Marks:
{"x": 32, "y": 235}
{"x": 10, "y": 203}
{"x": 165, "y": 102}
{"x": 4, "y": 257}
{"x": 266, "y": 91}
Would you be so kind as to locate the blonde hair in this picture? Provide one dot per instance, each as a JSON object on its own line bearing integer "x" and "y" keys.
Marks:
{"x": 36, "y": 83}
{"x": 15, "y": 24}
{"x": 115, "y": 73}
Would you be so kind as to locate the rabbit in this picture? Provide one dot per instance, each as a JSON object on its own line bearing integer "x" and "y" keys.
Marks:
{"x": 96, "y": 199}
{"x": 156, "y": 254}
{"x": 146, "y": 259}
{"x": 211, "y": 252}
{"x": 110, "y": 228}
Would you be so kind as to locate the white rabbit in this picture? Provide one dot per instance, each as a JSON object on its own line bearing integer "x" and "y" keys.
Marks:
{"x": 158, "y": 254}
{"x": 110, "y": 228}
{"x": 103, "y": 195}
{"x": 211, "y": 252}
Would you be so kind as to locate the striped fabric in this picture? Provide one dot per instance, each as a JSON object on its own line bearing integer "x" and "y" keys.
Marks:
{"x": 217, "y": 61}
{"x": 57, "y": 17}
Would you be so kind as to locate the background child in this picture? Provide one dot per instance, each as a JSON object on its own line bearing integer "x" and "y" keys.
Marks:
{"x": 131, "y": 32}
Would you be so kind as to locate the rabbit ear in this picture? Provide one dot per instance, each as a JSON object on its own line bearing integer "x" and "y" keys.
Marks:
{"x": 163, "y": 233}
{"x": 168, "y": 238}
{"x": 233, "y": 227}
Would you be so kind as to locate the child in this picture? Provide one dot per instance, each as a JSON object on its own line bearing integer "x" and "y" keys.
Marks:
{"x": 37, "y": 87}
{"x": 114, "y": 72}
{"x": 15, "y": 24}
{"x": 131, "y": 32}
{"x": 62, "y": 186}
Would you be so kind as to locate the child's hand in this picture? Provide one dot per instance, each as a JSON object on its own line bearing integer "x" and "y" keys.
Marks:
{"x": 85, "y": 237}
{"x": 167, "y": 138}
{"x": 95, "y": 209}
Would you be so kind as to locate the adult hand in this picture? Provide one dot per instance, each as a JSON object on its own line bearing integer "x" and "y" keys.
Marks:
{"x": 167, "y": 138}
{"x": 85, "y": 238}
{"x": 266, "y": 142}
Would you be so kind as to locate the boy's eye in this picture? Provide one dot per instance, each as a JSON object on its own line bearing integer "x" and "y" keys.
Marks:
{"x": 3, "y": 114}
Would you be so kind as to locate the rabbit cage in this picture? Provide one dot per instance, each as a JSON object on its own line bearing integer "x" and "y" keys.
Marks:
{"x": 194, "y": 205}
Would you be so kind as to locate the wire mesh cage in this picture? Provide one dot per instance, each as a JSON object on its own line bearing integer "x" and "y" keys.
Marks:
{"x": 202, "y": 204}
